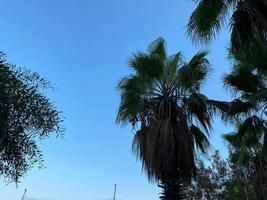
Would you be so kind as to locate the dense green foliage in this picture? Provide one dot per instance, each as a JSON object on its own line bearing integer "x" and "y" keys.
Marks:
{"x": 211, "y": 180}
{"x": 226, "y": 179}
{"x": 26, "y": 116}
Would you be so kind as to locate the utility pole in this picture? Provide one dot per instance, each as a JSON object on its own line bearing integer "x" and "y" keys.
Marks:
{"x": 115, "y": 190}
{"x": 24, "y": 194}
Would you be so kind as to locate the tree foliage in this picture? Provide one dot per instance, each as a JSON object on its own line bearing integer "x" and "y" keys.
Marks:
{"x": 26, "y": 116}
{"x": 211, "y": 180}
{"x": 227, "y": 179}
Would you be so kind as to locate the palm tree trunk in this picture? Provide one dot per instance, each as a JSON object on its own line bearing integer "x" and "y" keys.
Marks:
{"x": 173, "y": 189}
{"x": 260, "y": 176}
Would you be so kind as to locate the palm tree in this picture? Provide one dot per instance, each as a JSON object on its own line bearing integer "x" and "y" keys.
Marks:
{"x": 247, "y": 80}
{"x": 162, "y": 100}
{"x": 248, "y": 112}
{"x": 248, "y": 22}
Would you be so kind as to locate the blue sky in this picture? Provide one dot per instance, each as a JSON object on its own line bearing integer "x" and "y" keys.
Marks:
{"x": 82, "y": 47}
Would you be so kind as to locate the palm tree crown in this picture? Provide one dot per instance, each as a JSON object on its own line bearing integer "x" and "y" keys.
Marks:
{"x": 162, "y": 100}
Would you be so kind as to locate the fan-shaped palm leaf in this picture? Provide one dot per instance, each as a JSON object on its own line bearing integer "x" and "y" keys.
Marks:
{"x": 240, "y": 79}
{"x": 207, "y": 20}
{"x": 248, "y": 22}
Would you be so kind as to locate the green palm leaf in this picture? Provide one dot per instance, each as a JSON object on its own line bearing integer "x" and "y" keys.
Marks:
{"x": 207, "y": 20}
{"x": 158, "y": 47}
{"x": 200, "y": 138}
{"x": 194, "y": 73}
{"x": 240, "y": 79}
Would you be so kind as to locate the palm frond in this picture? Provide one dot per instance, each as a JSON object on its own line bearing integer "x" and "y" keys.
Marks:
{"x": 143, "y": 149}
{"x": 246, "y": 143}
{"x": 238, "y": 107}
{"x": 158, "y": 47}
{"x": 240, "y": 79}
{"x": 147, "y": 67}
{"x": 256, "y": 98}
{"x": 221, "y": 109}
{"x": 249, "y": 25}
{"x": 207, "y": 20}
{"x": 242, "y": 28}
{"x": 194, "y": 73}
{"x": 131, "y": 103}
{"x": 219, "y": 106}
{"x": 252, "y": 57}
{"x": 174, "y": 62}
{"x": 252, "y": 126}
{"x": 201, "y": 141}
{"x": 197, "y": 106}
{"x": 231, "y": 138}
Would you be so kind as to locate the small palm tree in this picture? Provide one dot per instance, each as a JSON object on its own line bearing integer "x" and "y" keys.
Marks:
{"x": 162, "y": 100}
{"x": 248, "y": 21}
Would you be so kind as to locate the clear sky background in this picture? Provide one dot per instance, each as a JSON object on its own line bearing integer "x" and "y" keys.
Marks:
{"x": 82, "y": 47}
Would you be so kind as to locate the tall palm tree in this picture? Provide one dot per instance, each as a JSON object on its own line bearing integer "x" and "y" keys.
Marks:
{"x": 161, "y": 98}
{"x": 248, "y": 21}
{"x": 247, "y": 80}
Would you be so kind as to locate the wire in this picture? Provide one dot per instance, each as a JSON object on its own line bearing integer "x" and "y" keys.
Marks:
{"x": 32, "y": 198}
